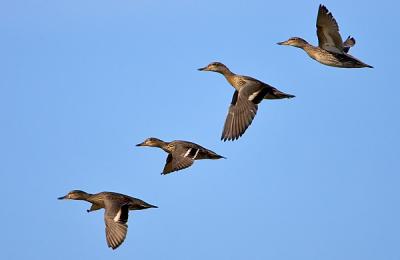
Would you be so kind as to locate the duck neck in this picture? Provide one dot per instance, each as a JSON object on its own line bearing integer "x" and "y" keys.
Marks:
{"x": 84, "y": 196}
{"x": 311, "y": 50}
{"x": 96, "y": 199}
{"x": 227, "y": 73}
{"x": 161, "y": 144}
{"x": 306, "y": 46}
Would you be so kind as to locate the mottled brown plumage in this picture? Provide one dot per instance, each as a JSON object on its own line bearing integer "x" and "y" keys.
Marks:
{"x": 181, "y": 154}
{"x": 249, "y": 92}
{"x": 331, "y": 50}
{"x": 116, "y": 207}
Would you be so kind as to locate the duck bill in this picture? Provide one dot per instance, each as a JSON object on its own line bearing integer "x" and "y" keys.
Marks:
{"x": 63, "y": 197}
{"x": 141, "y": 144}
{"x": 203, "y": 69}
{"x": 282, "y": 43}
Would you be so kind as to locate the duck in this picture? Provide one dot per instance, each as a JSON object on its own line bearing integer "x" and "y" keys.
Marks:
{"x": 331, "y": 50}
{"x": 116, "y": 208}
{"x": 249, "y": 92}
{"x": 181, "y": 154}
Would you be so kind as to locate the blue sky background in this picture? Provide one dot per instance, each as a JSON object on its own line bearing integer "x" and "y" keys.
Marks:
{"x": 315, "y": 177}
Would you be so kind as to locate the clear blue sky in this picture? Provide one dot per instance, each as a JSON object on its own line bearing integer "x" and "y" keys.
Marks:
{"x": 315, "y": 177}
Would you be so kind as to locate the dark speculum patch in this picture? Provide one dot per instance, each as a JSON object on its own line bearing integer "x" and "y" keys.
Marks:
{"x": 234, "y": 98}
{"x": 192, "y": 152}
{"x": 124, "y": 213}
{"x": 260, "y": 96}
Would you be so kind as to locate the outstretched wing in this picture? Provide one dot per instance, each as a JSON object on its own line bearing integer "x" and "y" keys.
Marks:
{"x": 176, "y": 162}
{"x": 328, "y": 31}
{"x": 348, "y": 43}
{"x": 242, "y": 111}
{"x": 115, "y": 218}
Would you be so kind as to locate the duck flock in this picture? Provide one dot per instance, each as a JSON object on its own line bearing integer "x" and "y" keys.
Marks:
{"x": 249, "y": 92}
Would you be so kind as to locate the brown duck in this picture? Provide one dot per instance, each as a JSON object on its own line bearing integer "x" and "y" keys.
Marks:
{"x": 181, "y": 154}
{"x": 249, "y": 92}
{"x": 116, "y": 208}
{"x": 331, "y": 50}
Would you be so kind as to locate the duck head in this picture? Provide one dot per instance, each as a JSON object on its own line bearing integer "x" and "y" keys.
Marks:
{"x": 75, "y": 195}
{"x": 152, "y": 142}
{"x": 295, "y": 42}
{"x": 216, "y": 67}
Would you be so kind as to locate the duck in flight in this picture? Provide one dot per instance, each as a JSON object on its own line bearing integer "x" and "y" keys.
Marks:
{"x": 331, "y": 50}
{"x": 116, "y": 207}
{"x": 249, "y": 92}
{"x": 181, "y": 154}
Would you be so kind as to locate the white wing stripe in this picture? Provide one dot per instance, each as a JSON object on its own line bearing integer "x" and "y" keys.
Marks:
{"x": 197, "y": 152}
{"x": 188, "y": 152}
{"x": 116, "y": 218}
{"x": 254, "y": 95}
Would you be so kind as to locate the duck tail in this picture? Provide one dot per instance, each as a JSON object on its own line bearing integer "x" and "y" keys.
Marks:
{"x": 277, "y": 94}
{"x": 287, "y": 96}
{"x": 145, "y": 205}
{"x": 360, "y": 64}
{"x": 150, "y": 206}
{"x": 217, "y": 156}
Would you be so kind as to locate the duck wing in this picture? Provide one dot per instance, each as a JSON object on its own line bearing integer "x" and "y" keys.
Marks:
{"x": 176, "y": 162}
{"x": 328, "y": 31}
{"x": 348, "y": 43}
{"x": 115, "y": 218}
{"x": 194, "y": 151}
{"x": 242, "y": 110}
